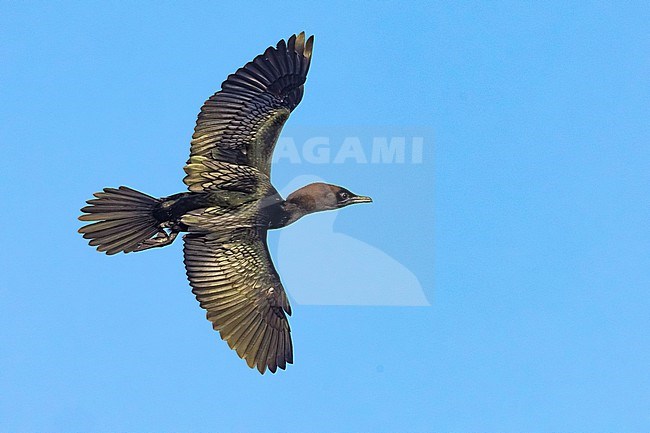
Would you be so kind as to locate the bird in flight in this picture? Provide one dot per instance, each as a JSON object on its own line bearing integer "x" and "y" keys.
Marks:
{"x": 230, "y": 206}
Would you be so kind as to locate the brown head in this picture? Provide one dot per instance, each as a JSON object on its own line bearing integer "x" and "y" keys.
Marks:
{"x": 319, "y": 196}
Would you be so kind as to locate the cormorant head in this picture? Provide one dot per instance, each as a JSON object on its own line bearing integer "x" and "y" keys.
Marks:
{"x": 320, "y": 196}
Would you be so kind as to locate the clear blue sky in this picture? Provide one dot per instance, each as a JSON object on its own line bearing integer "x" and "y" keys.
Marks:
{"x": 526, "y": 223}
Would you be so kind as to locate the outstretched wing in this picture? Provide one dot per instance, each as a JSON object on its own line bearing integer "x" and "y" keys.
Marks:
{"x": 233, "y": 278}
{"x": 241, "y": 123}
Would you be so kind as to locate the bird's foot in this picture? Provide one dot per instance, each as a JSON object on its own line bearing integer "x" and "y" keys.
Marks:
{"x": 161, "y": 239}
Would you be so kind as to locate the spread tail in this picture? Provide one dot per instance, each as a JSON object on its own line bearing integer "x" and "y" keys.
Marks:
{"x": 123, "y": 220}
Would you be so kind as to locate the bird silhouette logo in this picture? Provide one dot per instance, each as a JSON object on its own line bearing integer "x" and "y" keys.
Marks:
{"x": 357, "y": 274}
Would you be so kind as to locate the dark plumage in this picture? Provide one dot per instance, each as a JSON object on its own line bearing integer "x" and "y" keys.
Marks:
{"x": 230, "y": 206}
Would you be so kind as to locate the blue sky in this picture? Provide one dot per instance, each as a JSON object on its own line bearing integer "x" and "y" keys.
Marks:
{"x": 525, "y": 224}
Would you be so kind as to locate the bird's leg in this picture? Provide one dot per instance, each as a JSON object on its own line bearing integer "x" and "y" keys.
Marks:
{"x": 161, "y": 239}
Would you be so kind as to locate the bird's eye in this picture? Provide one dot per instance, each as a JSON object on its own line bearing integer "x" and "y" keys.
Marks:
{"x": 343, "y": 195}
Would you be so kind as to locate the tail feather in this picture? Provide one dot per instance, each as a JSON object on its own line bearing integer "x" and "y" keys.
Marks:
{"x": 124, "y": 218}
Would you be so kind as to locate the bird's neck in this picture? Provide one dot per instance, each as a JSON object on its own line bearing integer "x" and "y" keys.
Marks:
{"x": 289, "y": 211}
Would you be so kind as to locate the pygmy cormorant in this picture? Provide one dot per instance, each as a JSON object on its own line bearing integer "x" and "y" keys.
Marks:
{"x": 230, "y": 207}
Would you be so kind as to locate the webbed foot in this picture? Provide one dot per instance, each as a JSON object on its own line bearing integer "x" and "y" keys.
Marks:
{"x": 161, "y": 239}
